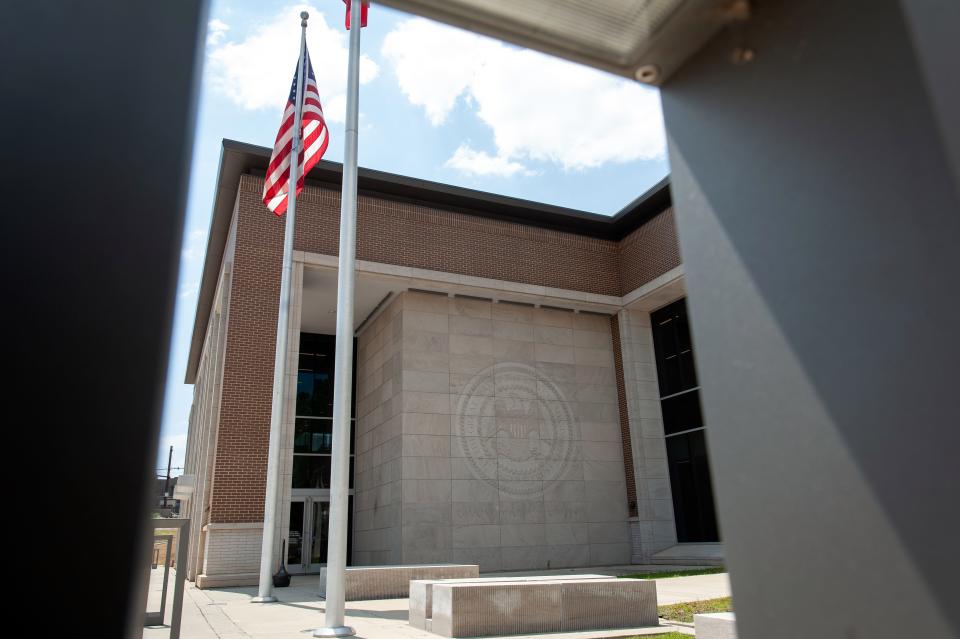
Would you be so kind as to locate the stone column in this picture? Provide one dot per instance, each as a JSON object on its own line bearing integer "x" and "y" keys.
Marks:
{"x": 377, "y": 488}
{"x": 654, "y": 529}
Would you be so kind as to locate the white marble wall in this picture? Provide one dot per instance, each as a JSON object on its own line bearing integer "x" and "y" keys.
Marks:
{"x": 377, "y": 487}
{"x": 489, "y": 434}
{"x": 232, "y": 555}
{"x": 203, "y": 426}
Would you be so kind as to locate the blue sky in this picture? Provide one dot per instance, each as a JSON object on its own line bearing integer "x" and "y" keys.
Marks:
{"x": 435, "y": 103}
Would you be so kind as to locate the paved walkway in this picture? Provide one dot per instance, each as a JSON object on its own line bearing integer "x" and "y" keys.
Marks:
{"x": 226, "y": 613}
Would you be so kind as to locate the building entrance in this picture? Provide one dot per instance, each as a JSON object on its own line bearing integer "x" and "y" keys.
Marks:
{"x": 313, "y": 435}
{"x": 307, "y": 540}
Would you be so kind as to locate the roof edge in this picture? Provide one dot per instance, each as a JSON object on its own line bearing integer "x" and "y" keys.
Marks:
{"x": 237, "y": 158}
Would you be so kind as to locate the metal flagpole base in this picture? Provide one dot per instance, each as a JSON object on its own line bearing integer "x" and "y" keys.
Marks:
{"x": 338, "y": 631}
{"x": 267, "y": 599}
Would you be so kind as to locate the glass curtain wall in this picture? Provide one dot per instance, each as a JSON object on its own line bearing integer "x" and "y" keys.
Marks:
{"x": 683, "y": 426}
{"x": 314, "y": 417}
{"x": 313, "y": 433}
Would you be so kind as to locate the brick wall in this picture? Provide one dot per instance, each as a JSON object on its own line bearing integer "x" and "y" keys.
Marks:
{"x": 241, "y": 451}
{"x": 391, "y": 232}
{"x": 624, "y": 416}
{"x": 408, "y": 234}
{"x": 648, "y": 252}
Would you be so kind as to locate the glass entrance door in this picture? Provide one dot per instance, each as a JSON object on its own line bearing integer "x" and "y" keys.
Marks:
{"x": 295, "y": 537}
{"x": 312, "y": 455}
{"x": 319, "y": 527}
{"x": 307, "y": 538}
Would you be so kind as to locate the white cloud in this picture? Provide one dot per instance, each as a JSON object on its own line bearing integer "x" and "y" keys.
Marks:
{"x": 195, "y": 245}
{"x": 539, "y": 107}
{"x": 189, "y": 289}
{"x": 256, "y": 72}
{"x": 475, "y": 162}
{"x": 216, "y": 30}
{"x": 434, "y": 64}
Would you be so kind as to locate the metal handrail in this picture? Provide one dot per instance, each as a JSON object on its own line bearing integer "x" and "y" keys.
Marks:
{"x": 155, "y": 618}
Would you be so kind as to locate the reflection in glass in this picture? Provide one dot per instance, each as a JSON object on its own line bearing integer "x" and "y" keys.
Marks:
{"x": 312, "y": 436}
{"x": 321, "y": 526}
{"x": 313, "y": 471}
{"x": 295, "y": 536}
{"x": 315, "y": 372}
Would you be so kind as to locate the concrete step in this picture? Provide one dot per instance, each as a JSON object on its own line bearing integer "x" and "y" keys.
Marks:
{"x": 691, "y": 555}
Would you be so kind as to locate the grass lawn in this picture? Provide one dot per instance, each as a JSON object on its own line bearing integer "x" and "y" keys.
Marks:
{"x": 674, "y": 573}
{"x": 685, "y": 611}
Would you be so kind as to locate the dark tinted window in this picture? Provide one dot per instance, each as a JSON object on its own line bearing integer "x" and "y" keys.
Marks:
{"x": 683, "y": 425}
{"x": 681, "y": 412}
{"x": 315, "y": 373}
{"x": 316, "y": 436}
{"x": 692, "y": 490}
{"x": 674, "y": 349}
{"x": 313, "y": 471}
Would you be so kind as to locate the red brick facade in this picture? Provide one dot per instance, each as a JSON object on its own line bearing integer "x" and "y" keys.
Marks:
{"x": 240, "y": 464}
{"x": 415, "y": 235}
{"x": 398, "y": 233}
{"x": 628, "y": 470}
{"x": 648, "y": 252}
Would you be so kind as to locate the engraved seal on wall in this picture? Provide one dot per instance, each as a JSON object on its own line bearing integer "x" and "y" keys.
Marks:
{"x": 514, "y": 428}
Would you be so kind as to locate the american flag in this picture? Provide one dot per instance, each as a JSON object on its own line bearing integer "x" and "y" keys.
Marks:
{"x": 315, "y": 138}
{"x": 364, "y": 6}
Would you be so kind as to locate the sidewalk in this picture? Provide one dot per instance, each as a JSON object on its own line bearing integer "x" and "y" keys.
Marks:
{"x": 227, "y": 613}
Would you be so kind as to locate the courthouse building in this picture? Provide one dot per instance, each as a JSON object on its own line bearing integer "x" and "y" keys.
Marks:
{"x": 524, "y": 388}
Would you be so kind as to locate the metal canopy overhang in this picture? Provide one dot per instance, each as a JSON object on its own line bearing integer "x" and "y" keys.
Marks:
{"x": 239, "y": 158}
{"x": 646, "y": 40}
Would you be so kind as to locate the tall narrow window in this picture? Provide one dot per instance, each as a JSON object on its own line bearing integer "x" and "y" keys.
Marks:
{"x": 683, "y": 426}
{"x": 313, "y": 429}
{"x": 312, "y": 449}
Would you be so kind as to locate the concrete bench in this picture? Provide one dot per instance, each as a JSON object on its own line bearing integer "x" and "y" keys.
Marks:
{"x": 421, "y": 593}
{"x": 393, "y": 582}
{"x": 716, "y": 625}
{"x": 524, "y": 607}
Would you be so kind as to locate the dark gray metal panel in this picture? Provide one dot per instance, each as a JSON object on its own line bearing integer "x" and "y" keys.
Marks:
{"x": 96, "y": 134}
{"x": 819, "y": 223}
{"x": 933, "y": 27}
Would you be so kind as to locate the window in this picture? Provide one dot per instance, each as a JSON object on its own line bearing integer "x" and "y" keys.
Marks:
{"x": 313, "y": 429}
{"x": 683, "y": 426}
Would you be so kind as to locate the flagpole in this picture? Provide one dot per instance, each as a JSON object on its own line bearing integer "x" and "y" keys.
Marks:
{"x": 343, "y": 366}
{"x": 268, "y": 547}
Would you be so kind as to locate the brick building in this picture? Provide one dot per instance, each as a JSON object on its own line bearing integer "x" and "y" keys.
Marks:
{"x": 524, "y": 387}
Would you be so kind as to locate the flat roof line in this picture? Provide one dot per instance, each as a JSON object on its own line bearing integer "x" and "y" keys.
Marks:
{"x": 239, "y": 158}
